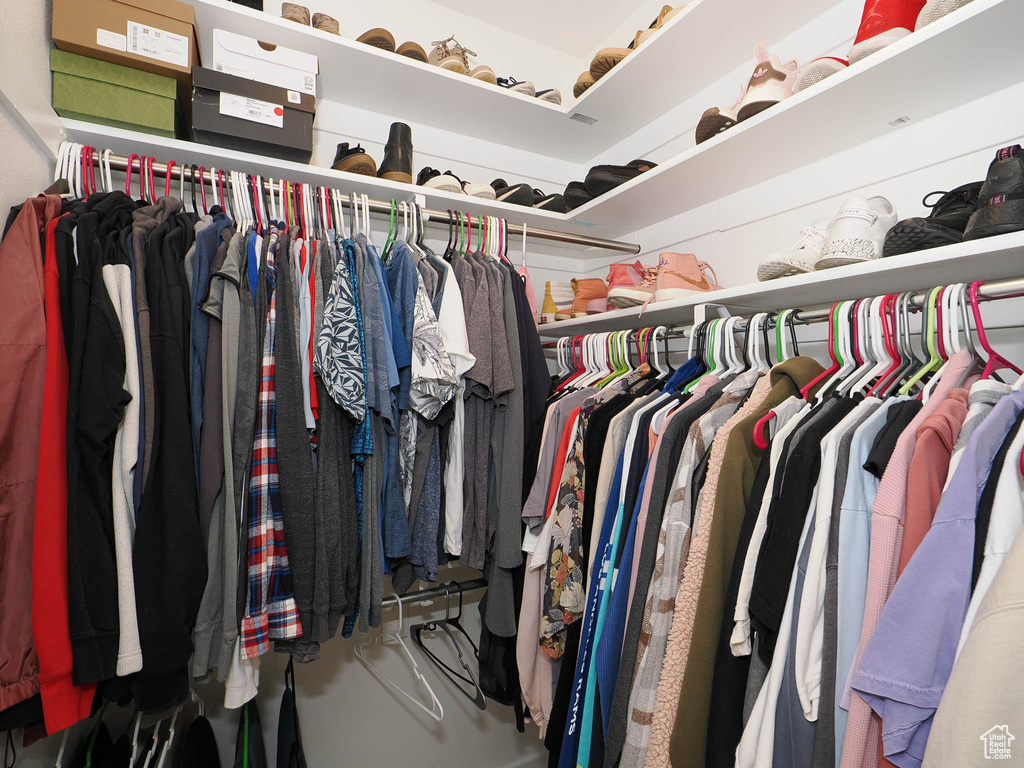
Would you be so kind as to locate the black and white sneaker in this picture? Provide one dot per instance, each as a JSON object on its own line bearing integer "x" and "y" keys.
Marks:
{"x": 554, "y": 203}
{"x": 943, "y": 226}
{"x": 445, "y": 182}
{"x": 524, "y": 87}
{"x": 518, "y": 194}
{"x": 1001, "y": 200}
{"x": 552, "y": 95}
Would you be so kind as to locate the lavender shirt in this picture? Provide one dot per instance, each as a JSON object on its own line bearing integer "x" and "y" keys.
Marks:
{"x": 910, "y": 655}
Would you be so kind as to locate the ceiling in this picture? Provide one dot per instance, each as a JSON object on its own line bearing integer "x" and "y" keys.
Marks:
{"x": 575, "y": 27}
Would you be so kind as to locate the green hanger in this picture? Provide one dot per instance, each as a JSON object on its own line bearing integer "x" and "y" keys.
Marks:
{"x": 391, "y": 232}
{"x": 93, "y": 735}
{"x": 780, "y": 321}
{"x": 935, "y": 360}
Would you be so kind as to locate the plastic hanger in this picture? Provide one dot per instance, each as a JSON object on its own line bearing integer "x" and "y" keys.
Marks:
{"x": 844, "y": 350}
{"x": 996, "y": 361}
{"x": 416, "y": 633}
{"x": 167, "y": 178}
{"x": 934, "y": 360}
{"x": 95, "y": 732}
{"x": 805, "y": 392}
{"x": 435, "y": 710}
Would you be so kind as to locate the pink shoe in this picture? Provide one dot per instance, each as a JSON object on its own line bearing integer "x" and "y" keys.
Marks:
{"x": 630, "y": 285}
{"x": 681, "y": 275}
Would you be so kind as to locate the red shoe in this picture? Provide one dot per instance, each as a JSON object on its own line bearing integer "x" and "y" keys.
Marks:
{"x": 884, "y": 22}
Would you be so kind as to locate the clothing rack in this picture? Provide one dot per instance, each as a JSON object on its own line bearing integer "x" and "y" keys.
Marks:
{"x": 432, "y": 593}
{"x": 382, "y": 207}
{"x": 1000, "y": 289}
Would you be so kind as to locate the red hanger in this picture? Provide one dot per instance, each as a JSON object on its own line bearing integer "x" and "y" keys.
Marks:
{"x": 888, "y": 334}
{"x": 202, "y": 187}
{"x": 995, "y": 360}
{"x": 764, "y": 421}
{"x": 149, "y": 176}
{"x": 940, "y": 334}
{"x": 167, "y": 178}
{"x": 128, "y": 178}
{"x": 805, "y": 392}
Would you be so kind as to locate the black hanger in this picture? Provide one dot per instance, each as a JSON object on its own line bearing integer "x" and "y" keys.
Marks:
{"x": 791, "y": 322}
{"x": 768, "y": 322}
{"x": 446, "y": 625}
{"x": 192, "y": 185}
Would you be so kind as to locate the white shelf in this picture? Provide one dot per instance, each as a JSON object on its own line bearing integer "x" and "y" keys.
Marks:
{"x": 125, "y": 142}
{"x": 993, "y": 258}
{"x": 366, "y": 77}
{"x": 704, "y": 42}
{"x": 971, "y": 53}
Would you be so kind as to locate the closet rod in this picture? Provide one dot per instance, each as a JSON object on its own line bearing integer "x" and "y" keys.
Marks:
{"x": 1000, "y": 289}
{"x": 433, "y": 593}
{"x": 120, "y": 163}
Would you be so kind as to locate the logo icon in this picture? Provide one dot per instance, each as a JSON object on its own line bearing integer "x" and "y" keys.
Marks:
{"x": 997, "y": 742}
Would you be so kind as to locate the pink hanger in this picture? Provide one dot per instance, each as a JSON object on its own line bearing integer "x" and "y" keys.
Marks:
{"x": 995, "y": 360}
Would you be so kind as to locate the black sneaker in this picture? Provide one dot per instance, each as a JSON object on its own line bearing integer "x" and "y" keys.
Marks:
{"x": 554, "y": 203}
{"x": 604, "y": 178}
{"x": 1001, "y": 201}
{"x": 354, "y": 160}
{"x": 518, "y": 194}
{"x": 944, "y": 225}
{"x": 576, "y": 194}
{"x": 425, "y": 175}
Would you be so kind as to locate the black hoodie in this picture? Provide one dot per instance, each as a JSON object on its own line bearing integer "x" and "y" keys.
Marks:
{"x": 96, "y": 402}
{"x": 169, "y": 556}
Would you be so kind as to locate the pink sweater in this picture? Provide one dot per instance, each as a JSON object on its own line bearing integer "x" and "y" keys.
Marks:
{"x": 863, "y": 728}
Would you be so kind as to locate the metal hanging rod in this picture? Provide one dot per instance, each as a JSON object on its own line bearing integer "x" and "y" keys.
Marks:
{"x": 432, "y": 593}
{"x": 120, "y": 163}
{"x": 1000, "y": 289}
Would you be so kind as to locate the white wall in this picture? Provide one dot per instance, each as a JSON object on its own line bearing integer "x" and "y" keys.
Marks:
{"x": 348, "y": 717}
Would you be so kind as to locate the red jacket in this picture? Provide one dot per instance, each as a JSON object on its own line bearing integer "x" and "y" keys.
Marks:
{"x": 64, "y": 703}
{"x": 23, "y": 352}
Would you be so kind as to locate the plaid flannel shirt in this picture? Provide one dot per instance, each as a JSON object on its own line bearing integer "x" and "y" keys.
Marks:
{"x": 270, "y": 611}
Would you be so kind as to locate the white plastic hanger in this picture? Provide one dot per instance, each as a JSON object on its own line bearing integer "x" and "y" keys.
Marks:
{"x": 166, "y": 748}
{"x": 524, "y": 245}
{"x": 863, "y": 348}
{"x": 434, "y": 710}
{"x": 845, "y": 343}
{"x": 881, "y": 353}
{"x": 59, "y": 762}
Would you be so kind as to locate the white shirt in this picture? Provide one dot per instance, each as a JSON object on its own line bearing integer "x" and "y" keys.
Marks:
{"x": 810, "y": 633}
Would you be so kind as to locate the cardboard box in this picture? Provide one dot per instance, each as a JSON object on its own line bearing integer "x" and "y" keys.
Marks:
{"x": 250, "y": 116}
{"x": 256, "y": 60}
{"x": 157, "y": 36}
{"x": 109, "y": 94}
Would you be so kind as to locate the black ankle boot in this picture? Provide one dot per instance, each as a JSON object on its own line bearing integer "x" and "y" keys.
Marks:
{"x": 397, "y": 162}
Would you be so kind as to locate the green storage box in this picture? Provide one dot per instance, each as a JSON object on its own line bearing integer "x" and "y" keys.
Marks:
{"x": 100, "y": 92}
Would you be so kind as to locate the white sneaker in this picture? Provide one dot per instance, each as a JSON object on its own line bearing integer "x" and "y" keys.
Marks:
{"x": 800, "y": 258}
{"x": 445, "y": 183}
{"x": 815, "y": 71}
{"x": 857, "y": 232}
{"x": 936, "y": 9}
{"x": 478, "y": 189}
{"x": 771, "y": 82}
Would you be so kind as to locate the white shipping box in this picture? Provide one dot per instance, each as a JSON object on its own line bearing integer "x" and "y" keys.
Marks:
{"x": 255, "y": 60}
